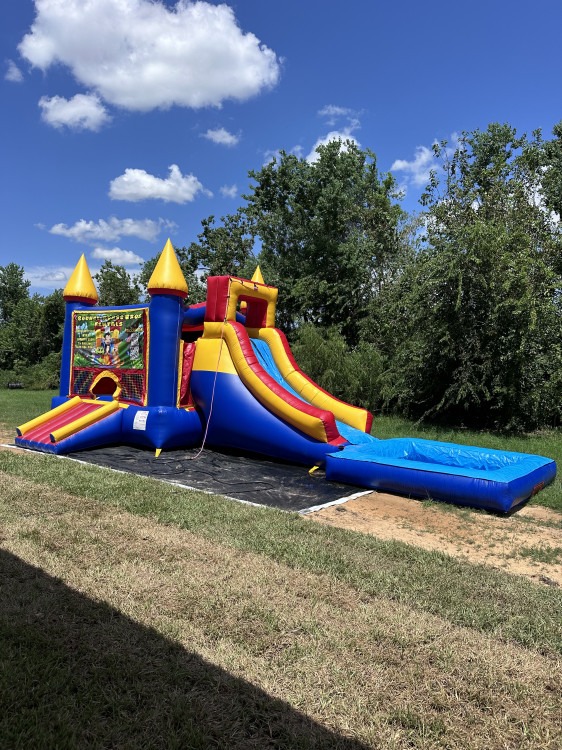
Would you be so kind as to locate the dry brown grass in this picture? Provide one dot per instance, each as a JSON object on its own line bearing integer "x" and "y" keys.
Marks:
{"x": 363, "y": 667}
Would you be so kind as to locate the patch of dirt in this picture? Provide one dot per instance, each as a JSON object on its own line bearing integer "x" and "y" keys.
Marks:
{"x": 528, "y": 543}
{"x": 7, "y": 438}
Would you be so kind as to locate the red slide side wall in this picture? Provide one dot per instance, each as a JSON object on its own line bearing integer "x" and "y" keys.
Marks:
{"x": 326, "y": 417}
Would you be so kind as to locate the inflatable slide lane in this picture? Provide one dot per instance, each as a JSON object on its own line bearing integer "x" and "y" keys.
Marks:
{"x": 76, "y": 424}
{"x": 246, "y": 408}
{"x": 256, "y": 398}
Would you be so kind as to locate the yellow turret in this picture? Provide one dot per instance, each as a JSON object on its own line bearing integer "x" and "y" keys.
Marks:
{"x": 80, "y": 286}
{"x": 258, "y": 276}
{"x": 167, "y": 277}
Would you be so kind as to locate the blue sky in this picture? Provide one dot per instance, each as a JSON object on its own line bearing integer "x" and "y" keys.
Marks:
{"x": 127, "y": 121}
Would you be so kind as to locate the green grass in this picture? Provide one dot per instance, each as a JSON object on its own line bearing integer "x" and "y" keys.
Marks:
{"x": 542, "y": 554}
{"x": 17, "y": 407}
{"x": 256, "y": 628}
{"x": 469, "y": 595}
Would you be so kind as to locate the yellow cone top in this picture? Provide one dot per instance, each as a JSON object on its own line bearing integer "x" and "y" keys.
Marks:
{"x": 80, "y": 286}
{"x": 258, "y": 276}
{"x": 167, "y": 277}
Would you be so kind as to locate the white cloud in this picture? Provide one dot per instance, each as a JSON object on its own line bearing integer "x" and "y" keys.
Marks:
{"x": 47, "y": 278}
{"x": 13, "y": 73}
{"x": 111, "y": 230}
{"x": 137, "y": 185}
{"x": 418, "y": 170}
{"x": 332, "y": 110}
{"x": 275, "y": 154}
{"x": 335, "y": 135}
{"x": 222, "y": 136}
{"x": 144, "y": 54}
{"x": 82, "y": 112}
{"x": 117, "y": 255}
{"x": 229, "y": 191}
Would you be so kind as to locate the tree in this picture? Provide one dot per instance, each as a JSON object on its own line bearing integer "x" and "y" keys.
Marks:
{"x": 13, "y": 289}
{"x": 552, "y": 177}
{"x": 477, "y": 316}
{"x": 20, "y": 337}
{"x": 51, "y": 324}
{"x": 328, "y": 232}
{"x": 115, "y": 286}
{"x": 226, "y": 249}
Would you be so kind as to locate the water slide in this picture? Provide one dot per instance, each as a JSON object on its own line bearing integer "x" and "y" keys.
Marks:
{"x": 247, "y": 409}
{"x": 267, "y": 405}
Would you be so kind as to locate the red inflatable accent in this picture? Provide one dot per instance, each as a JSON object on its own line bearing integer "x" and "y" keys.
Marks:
{"x": 187, "y": 365}
{"x": 326, "y": 417}
{"x": 41, "y": 433}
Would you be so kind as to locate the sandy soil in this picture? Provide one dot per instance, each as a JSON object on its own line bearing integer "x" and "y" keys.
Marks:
{"x": 528, "y": 543}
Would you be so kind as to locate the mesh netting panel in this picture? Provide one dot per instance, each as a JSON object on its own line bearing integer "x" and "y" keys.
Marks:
{"x": 132, "y": 383}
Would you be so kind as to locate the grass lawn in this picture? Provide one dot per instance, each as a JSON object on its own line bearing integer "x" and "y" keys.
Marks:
{"x": 135, "y": 614}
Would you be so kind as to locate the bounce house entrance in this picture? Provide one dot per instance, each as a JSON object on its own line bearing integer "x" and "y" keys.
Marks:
{"x": 106, "y": 384}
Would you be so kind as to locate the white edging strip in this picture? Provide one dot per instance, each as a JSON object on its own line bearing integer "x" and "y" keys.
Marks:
{"x": 340, "y": 501}
{"x": 143, "y": 476}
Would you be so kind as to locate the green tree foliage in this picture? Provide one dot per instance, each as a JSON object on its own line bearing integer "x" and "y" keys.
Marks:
{"x": 328, "y": 233}
{"x": 116, "y": 286}
{"x": 226, "y": 249}
{"x": 31, "y": 337}
{"x": 349, "y": 373}
{"x": 552, "y": 177}
{"x": 13, "y": 289}
{"x": 476, "y": 316}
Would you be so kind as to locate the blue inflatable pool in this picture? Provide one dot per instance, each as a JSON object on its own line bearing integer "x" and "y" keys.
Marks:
{"x": 465, "y": 475}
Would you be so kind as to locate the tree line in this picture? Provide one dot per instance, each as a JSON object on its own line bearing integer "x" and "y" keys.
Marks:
{"x": 451, "y": 314}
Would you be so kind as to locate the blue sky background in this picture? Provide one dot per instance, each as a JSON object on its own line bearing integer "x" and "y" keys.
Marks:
{"x": 125, "y": 122}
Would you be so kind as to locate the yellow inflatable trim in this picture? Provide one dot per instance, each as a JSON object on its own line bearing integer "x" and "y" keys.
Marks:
{"x": 85, "y": 421}
{"x": 309, "y": 391}
{"x": 27, "y": 426}
{"x": 233, "y": 361}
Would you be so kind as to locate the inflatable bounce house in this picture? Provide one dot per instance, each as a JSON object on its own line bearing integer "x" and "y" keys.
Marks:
{"x": 167, "y": 375}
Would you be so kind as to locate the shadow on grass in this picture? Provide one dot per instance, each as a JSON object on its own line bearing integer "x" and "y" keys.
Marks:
{"x": 76, "y": 673}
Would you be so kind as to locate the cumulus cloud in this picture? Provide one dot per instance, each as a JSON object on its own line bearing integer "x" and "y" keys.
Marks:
{"x": 145, "y": 55}
{"x": 117, "y": 255}
{"x": 343, "y": 132}
{"x": 222, "y": 136}
{"x": 417, "y": 171}
{"x": 333, "y": 110}
{"x": 82, "y": 112}
{"x": 13, "y": 73}
{"x": 47, "y": 278}
{"x": 137, "y": 185}
{"x": 111, "y": 230}
{"x": 335, "y": 135}
{"x": 229, "y": 191}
